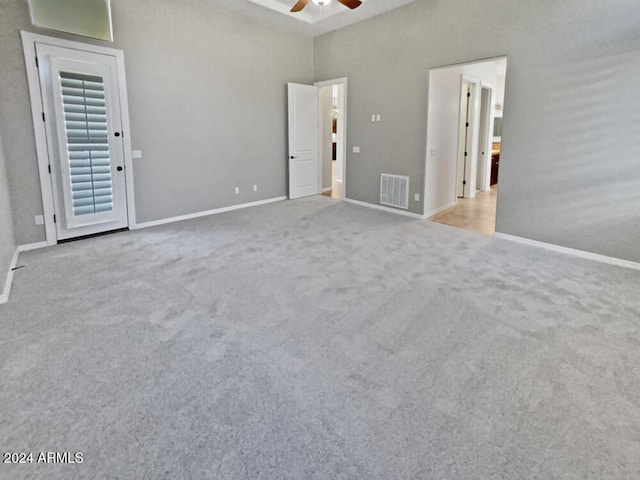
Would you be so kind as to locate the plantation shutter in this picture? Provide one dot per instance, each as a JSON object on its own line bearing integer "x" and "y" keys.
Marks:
{"x": 87, "y": 135}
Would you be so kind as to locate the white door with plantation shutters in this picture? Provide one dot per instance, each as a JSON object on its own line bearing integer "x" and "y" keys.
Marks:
{"x": 84, "y": 133}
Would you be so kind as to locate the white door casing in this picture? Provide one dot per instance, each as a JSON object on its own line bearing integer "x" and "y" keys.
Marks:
{"x": 303, "y": 140}
{"x": 485, "y": 139}
{"x": 110, "y": 63}
{"x": 468, "y": 138}
{"x": 341, "y": 153}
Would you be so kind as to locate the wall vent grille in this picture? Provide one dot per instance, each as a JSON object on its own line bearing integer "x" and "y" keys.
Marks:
{"x": 394, "y": 190}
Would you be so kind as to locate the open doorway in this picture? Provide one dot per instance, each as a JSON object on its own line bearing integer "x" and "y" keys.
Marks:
{"x": 462, "y": 146}
{"x": 332, "y": 134}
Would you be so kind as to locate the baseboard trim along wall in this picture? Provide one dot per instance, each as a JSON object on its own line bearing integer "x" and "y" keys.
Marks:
{"x": 164, "y": 221}
{"x": 4, "y": 297}
{"x": 441, "y": 209}
{"x": 571, "y": 251}
{"x": 385, "y": 209}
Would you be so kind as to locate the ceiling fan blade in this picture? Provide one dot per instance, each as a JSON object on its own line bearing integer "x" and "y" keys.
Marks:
{"x": 351, "y": 3}
{"x": 299, "y": 6}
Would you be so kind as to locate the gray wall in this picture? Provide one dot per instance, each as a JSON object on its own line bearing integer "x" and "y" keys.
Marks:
{"x": 207, "y": 100}
{"x": 569, "y": 169}
{"x": 7, "y": 240}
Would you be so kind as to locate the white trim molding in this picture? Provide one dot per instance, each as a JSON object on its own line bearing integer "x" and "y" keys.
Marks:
{"x": 571, "y": 251}
{"x": 32, "y": 246}
{"x": 441, "y": 209}
{"x": 344, "y": 82}
{"x": 4, "y": 297}
{"x": 386, "y": 209}
{"x": 164, "y": 221}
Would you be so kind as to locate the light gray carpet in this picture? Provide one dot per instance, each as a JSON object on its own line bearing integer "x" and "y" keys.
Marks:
{"x": 313, "y": 339}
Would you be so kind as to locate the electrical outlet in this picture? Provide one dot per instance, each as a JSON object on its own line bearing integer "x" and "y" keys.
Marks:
{"x": 416, "y": 197}
{"x": 237, "y": 190}
{"x": 39, "y": 220}
{"x": 255, "y": 188}
{"x": 356, "y": 149}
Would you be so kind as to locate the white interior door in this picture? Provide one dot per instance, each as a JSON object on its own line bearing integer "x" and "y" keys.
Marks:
{"x": 84, "y": 132}
{"x": 303, "y": 140}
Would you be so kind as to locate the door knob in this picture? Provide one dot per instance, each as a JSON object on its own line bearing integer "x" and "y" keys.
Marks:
{"x": 119, "y": 168}
{"x": 117, "y": 134}
{"x": 292, "y": 157}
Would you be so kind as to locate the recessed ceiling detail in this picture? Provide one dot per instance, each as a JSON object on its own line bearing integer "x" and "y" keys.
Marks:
{"x": 332, "y": 16}
{"x": 312, "y": 12}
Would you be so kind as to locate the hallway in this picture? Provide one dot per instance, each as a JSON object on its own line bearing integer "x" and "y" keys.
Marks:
{"x": 475, "y": 214}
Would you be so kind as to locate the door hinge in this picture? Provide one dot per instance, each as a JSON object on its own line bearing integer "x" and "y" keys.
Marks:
{"x": 465, "y": 154}
{"x": 43, "y": 116}
{"x": 468, "y": 94}
{"x": 464, "y": 182}
{"x": 49, "y": 167}
{"x": 54, "y": 218}
{"x": 467, "y": 124}
{"x": 37, "y": 64}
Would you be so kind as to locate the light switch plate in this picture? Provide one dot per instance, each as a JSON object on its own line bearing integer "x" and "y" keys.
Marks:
{"x": 356, "y": 149}
{"x": 136, "y": 154}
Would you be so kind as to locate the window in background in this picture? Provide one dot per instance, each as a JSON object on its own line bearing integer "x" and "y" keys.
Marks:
{"x": 88, "y": 18}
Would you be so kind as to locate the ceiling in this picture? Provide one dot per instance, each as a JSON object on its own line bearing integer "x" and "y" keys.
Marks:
{"x": 313, "y": 20}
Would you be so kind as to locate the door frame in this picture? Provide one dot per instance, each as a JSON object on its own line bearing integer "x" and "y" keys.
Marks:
{"x": 29, "y": 41}
{"x": 468, "y": 137}
{"x": 328, "y": 83}
{"x": 484, "y": 143}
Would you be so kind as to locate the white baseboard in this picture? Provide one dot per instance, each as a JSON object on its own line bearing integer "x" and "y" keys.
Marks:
{"x": 441, "y": 209}
{"x": 385, "y": 209}
{"x": 571, "y": 251}
{"x": 164, "y": 221}
{"x": 32, "y": 246}
{"x": 4, "y": 297}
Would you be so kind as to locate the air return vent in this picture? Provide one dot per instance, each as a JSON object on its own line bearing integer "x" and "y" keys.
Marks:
{"x": 394, "y": 190}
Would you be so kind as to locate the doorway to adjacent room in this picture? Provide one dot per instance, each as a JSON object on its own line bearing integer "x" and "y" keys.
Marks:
{"x": 332, "y": 121}
{"x": 463, "y": 144}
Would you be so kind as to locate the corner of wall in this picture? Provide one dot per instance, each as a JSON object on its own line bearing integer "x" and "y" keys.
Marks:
{"x": 8, "y": 250}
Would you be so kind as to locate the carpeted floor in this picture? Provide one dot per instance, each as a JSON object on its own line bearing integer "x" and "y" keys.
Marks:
{"x": 315, "y": 339}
